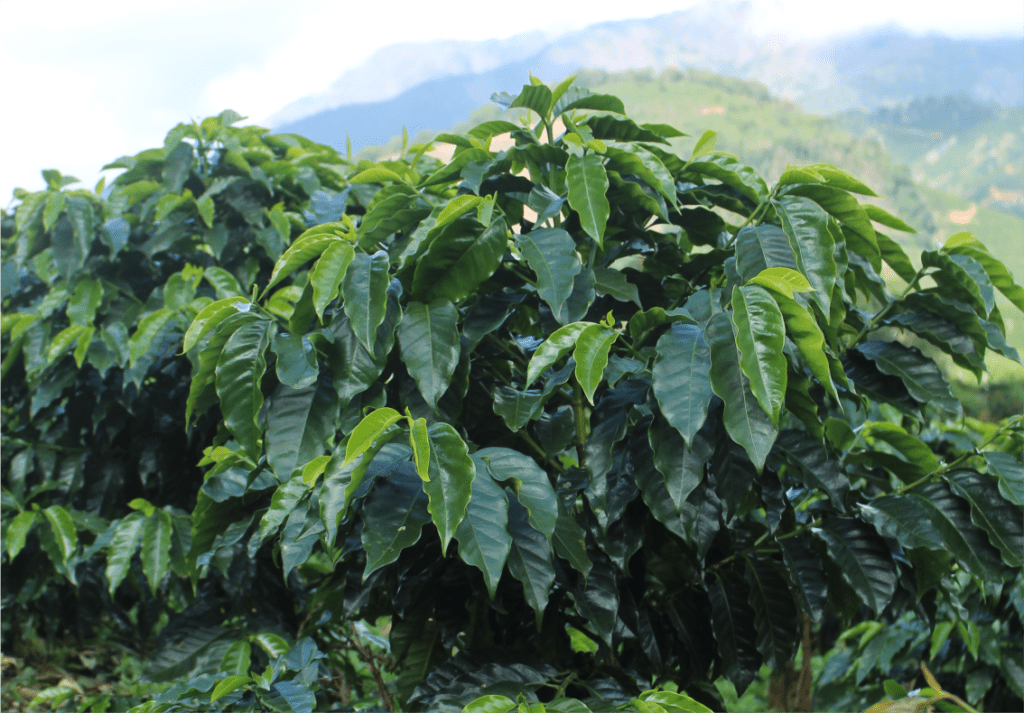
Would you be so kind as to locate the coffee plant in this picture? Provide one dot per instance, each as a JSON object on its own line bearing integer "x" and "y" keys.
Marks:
{"x": 578, "y": 424}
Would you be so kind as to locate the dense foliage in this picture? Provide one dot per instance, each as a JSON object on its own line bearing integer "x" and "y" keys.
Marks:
{"x": 574, "y": 420}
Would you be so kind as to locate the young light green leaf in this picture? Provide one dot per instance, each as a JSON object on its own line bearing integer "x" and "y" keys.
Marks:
{"x": 328, "y": 274}
{"x": 591, "y": 355}
{"x": 228, "y": 685}
{"x": 760, "y": 337}
{"x": 809, "y": 339}
{"x": 553, "y": 348}
{"x": 304, "y": 249}
{"x": 273, "y": 644}
{"x": 84, "y": 301}
{"x": 782, "y": 280}
{"x": 368, "y": 431}
{"x": 148, "y": 328}
{"x": 429, "y": 340}
{"x": 587, "y": 183}
{"x": 705, "y": 145}
{"x": 17, "y": 531}
{"x": 419, "y": 439}
{"x": 237, "y": 658}
{"x": 210, "y": 316}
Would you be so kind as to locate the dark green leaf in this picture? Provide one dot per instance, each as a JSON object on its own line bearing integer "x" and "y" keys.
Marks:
{"x": 614, "y": 283}
{"x": 463, "y": 255}
{"x": 529, "y": 559}
{"x": 903, "y": 518}
{"x": 483, "y": 539}
{"x": 429, "y": 339}
{"x": 807, "y": 572}
{"x": 745, "y": 420}
{"x": 569, "y": 542}
{"x": 299, "y": 422}
{"x": 587, "y": 182}
{"x": 551, "y": 254}
{"x": 517, "y": 408}
{"x": 951, "y": 517}
{"x": 365, "y": 292}
{"x": 732, "y": 173}
{"x": 817, "y": 469}
{"x": 863, "y": 558}
{"x": 529, "y": 481}
{"x": 1010, "y": 473}
{"x": 451, "y": 480}
{"x": 394, "y": 513}
{"x": 805, "y": 224}
{"x": 776, "y": 618}
{"x": 681, "y": 378}
{"x": 761, "y": 247}
{"x": 682, "y": 466}
{"x": 732, "y": 620}
{"x": 239, "y": 370}
{"x": 845, "y": 208}
{"x": 921, "y": 376}
{"x": 1001, "y": 520}
{"x": 296, "y": 360}
{"x": 760, "y": 335}
{"x": 329, "y": 273}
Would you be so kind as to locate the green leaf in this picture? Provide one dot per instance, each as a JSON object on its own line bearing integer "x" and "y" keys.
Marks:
{"x": 123, "y": 545}
{"x": 680, "y": 463}
{"x": 803, "y": 329}
{"x": 63, "y": 341}
{"x": 587, "y": 182}
{"x": 760, "y": 336}
{"x": 517, "y": 408}
{"x": 903, "y": 518}
{"x": 681, "y": 378}
{"x": 367, "y": 431}
{"x": 156, "y": 548}
{"x": 1000, "y": 519}
{"x": 920, "y": 459}
{"x": 570, "y": 543}
{"x": 419, "y": 439}
{"x": 328, "y": 273}
{"x": 705, "y": 145}
{"x": 376, "y": 174}
{"x": 54, "y": 207}
{"x": 921, "y": 376}
{"x": 200, "y": 395}
{"x": 394, "y": 513}
{"x": 84, "y": 301}
{"x": 895, "y": 257}
{"x": 462, "y": 256}
{"x": 1010, "y": 474}
{"x": 575, "y": 308}
{"x": 239, "y": 370}
{"x": 733, "y": 173}
{"x": 805, "y": 224}
{"x": 672, "y": 702}
{"x": 745, "y": 420}
{"x": 775, "y": 614}
{"x": 591, "y": 355}
{"x": 273, "y": 644}
{"x": 63, "y": 529}
{"x": 429, "y": 339}
{"x": 551, "y": 254}
{"x": 237, "y": 658}
{"x": 451, "y": 480}
{"x": 148, "y": 328}
{"x": 529, "y": 559}
{"x": 863, "y": 557}
{"x": 483, "y": 539}
{"x": 365, "y": 291}
{"x": 879, "y": 215}
{"x": 614, "y": 283}
{"x": 553, "y": 348}
{"x": 17, "y": 531}
{"x": 806, "y": 570}
{"x": 845, "y": 208}
{"x": 228, "y": 685}
{"x": 210, "y": 316}
{"x": 782, "y": 280}
{"x": 966, "y": 244}
{"x": 299, "y": 422}
{"x": 536, "y": 97}
{"x": 762, "y": 248}
{"x": 530, "y": 482}
{"x": 951, "y": 517}
{"x": 490, "y": 704}
{"x": 732, "y": 621}
{"x": 296, "y": 360}
{"x": 304, "y": 249}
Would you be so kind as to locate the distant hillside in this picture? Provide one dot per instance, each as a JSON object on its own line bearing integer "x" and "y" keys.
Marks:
{"x": 433, "y": 85}
{"x": 971, "y": 150}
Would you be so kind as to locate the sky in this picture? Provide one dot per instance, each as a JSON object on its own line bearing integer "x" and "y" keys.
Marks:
{"x": 86, "y": 81}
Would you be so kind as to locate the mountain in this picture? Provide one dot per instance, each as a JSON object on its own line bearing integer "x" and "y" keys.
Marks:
{"x": 434, "y": 85}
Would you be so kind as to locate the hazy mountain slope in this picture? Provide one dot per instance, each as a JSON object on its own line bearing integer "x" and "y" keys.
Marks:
{"x": 860, "y": 71}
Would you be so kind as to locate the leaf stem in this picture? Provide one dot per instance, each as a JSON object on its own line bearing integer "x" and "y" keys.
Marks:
{"x": 540, "y": 450}
{"x": 756, "y": 214}
{"x": 873, "y": 322}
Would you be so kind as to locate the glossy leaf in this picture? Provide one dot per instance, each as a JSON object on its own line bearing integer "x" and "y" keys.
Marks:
{"x": 462, "y": 256}
{"x": 863, "y": 558}
{"x": 429, "y": 338}
{"x": 966, "y": 244}
{"x": 920, "y": 459}
{"x": 210, "y": 317}
{"x": 394, "y": 514}
{"x": 561, "y": 341}
{"x": 17, "y": 531}
{"x": 732, "y": 620}
{"x": 62, "y": 526}
{"x": 239, "y": 371}
{"x": 587, "y": 182}
{"x": 156, "y": 548}
{"x": 123, "y": 546}
{"x": 551, "y": 254}
{"x": 517, "y": 408}
{"x": 529, "y": 558}
{"x": 760, "y": 336}
{"x": 775, "y": 615}
{"x": 1000, "y": 519}
{"x": 745, "y": 420}
{"x": 366, "y": 433}
{"x": 299, "y": 422}
{"x": 805, "y": 224}
{"x": 450, "y": 486}
{"x": 904, "y": 518}
{"x": 681, "y": 378}
{"x": 918, "y": 373}
{"x": 760, "y": 248}
{"x": 528, "y": 480}
{"x": 329, "y": 273}
{"x": 483, "y": 539}
{"x": 952, "y": 519}
{"x": 304, "y": 249}
{"x": 1010, "y": 473}
{"x": 143, "y": 337}
{"x": 365, "y": 293}
{"x": 591, "y": 355}
{"x": 807, "y": 572}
